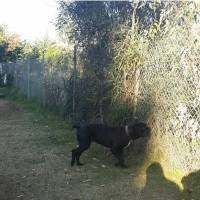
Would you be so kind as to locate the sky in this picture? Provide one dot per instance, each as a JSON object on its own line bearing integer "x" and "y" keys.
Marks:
{"x": 31, "y": 19}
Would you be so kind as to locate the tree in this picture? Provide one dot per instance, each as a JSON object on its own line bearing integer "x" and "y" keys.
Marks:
{"x": 10, "y": 45}
{"x": 90, "y": 25}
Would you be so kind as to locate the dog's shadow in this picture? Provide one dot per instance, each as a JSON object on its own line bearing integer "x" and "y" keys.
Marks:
{"x": 191, "y": 184}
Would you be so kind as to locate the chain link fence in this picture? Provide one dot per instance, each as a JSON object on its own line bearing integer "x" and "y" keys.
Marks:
{"x": 37, "y": 81}
{"x": 52, "y": 85}
{"x": 169, "y": 96}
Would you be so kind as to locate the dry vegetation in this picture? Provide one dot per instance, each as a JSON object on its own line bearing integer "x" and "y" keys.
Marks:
{"x": 157, "y": 72}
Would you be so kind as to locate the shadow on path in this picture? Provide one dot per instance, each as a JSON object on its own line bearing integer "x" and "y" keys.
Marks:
{"x": 158, "y": 187}
{"x": 191, "y": 184}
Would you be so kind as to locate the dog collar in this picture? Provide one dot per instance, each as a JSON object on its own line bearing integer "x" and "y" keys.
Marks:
{"x": 126, "y": 131}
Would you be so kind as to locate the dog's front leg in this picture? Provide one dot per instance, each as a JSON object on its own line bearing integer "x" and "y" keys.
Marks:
{"x": 118, "y": 153}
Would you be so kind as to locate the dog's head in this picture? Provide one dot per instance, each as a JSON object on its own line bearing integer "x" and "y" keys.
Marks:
{"x": 139, "y": 130}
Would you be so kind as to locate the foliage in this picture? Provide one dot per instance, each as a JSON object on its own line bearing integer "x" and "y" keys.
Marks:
{"x": 10, "y": 45}
{"x": 165, "y": 91}
{"x": 89, "y": 26}
{"x": 29, "y": 51}
{"x": 99, "y": 29}
{"x": 134, "y": 45}
{"x": 47, "y": 51}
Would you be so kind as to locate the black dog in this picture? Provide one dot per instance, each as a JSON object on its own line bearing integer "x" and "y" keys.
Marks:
{"x": 115, "y": 138}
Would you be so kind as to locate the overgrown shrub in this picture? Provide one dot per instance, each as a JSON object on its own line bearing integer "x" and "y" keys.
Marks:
{"x": 165, "y": 91}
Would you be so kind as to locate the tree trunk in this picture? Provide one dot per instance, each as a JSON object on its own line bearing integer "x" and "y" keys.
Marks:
{"x": 74, "y": 83}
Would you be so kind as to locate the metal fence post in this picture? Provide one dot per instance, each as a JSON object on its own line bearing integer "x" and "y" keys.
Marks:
{"x": 28, "y": 79}
{"x": 43, "y": 80}
{"x": 74, "y": 83}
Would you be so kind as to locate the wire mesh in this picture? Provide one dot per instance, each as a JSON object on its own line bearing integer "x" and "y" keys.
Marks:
{"x": 170, "y": 87}
{"x": 39, "y": 82}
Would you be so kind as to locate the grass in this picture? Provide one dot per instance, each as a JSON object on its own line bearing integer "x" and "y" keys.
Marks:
{"x": 43, "y": 117}
{"x": 148, "y": 176}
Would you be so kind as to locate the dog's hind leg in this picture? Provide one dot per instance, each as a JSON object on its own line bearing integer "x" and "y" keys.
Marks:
{"x": 84, "y": 141}
{"x": 76, "y": 153}
{"x": 73, "y": 156}
{"x": 79, "y": 151}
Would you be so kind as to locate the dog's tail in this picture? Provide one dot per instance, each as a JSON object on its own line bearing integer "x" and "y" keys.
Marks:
{"x": 76, "y": 126}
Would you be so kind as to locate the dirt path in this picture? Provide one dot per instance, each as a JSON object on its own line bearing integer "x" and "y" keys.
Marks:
{"x": 30, "y": 169}
{"x": 33, "y": 168}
